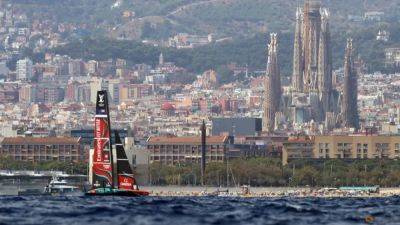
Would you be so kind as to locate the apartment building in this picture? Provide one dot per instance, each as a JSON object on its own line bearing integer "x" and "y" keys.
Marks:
{"x": 357, "y": 147}
{"x": 342, "y": 147}
{"x": 61, "y": 149}
{"x": 299, "y": 147}
{"x": 175, "y": 150}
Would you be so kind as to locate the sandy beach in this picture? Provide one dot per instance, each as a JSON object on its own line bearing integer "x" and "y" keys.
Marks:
{"x": 266, "y": 192}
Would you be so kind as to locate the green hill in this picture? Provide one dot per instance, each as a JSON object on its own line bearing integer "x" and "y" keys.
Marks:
{"x": 224, "y": 17}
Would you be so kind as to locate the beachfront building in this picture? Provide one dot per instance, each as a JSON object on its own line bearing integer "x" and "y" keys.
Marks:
{"x": 342, "y": 147}
{"x": 299, "y": 147}
{"x": 61, "y": 149}
{"x": 357, "y": 147}
{"x": 175, "y": 150}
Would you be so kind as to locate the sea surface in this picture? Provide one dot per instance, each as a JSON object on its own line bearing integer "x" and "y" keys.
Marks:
{"x": 198, "y": 210}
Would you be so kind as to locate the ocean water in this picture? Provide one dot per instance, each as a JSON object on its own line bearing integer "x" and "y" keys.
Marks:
{"x": 198, "y": 210}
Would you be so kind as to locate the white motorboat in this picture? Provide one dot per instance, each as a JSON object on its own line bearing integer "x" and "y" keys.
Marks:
{"x": 60, "y": 187}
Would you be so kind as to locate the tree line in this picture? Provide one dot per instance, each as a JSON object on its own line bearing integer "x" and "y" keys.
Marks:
{"x": 7, "y": 163}
{"x": 263, "y": 172}
{"x": 270, "y": 172}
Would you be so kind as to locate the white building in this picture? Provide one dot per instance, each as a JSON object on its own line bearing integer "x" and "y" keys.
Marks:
{"x": 24, "y": 69}
{"x": 96, "y": 84}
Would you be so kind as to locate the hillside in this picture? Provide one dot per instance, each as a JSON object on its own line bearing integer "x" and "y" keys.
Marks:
{"x": 223, "y": 17}
{"x": 242, "y": 17}
{"x": 243, "y": 51}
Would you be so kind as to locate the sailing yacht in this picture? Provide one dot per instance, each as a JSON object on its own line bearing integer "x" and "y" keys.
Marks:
{"x": 107, "y": 177}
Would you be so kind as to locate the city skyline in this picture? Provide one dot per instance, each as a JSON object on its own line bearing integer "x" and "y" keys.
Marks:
{"x": 56, "y": 96}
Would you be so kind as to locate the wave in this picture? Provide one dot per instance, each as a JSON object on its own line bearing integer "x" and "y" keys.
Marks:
{"x": 197, "y": 210}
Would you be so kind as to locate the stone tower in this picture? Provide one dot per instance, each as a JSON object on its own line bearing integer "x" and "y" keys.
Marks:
{"x": 273, "y": 90}
{"x": 298, "y": 61}
{"x": 311, "y": 33}
{"x": 312, "y": 60}
{"x": 324, "y": 73}
{"x": 349, "y": 110}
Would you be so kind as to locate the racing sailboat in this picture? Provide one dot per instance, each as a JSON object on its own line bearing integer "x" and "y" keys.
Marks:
{"x": 107, "y": 178}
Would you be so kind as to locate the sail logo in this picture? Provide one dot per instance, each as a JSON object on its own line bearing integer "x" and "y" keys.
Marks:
{"x": 101, "y": 101}
{"x": 125, "y": 182}
{"x": 101, "y": 98}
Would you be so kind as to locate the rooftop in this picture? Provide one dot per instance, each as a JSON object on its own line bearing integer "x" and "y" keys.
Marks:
{"x": 45, "y": 140}
{"x": 187, "y": 140}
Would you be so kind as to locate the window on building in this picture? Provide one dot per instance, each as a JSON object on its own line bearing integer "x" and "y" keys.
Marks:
{"x": 397, "y": 148}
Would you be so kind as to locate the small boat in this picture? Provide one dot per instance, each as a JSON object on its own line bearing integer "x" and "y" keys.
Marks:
{"x": 219, "y": 193}
{"x": 7, "y": 173}
{"x": 109, "y": 178}
{"x": 61, "y": 187}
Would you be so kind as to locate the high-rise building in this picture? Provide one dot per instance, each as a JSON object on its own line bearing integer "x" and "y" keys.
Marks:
{"x": 27, "y": 93}
{"x": 350, "y": 116}
{"x": 76, "y": 67}
{"x": 46, "y": 93}
{"x": 24, "y": 69}
{"x": 273, "y": 90}
{"x": 92, "y": 67}
{"x": 113, "y": 90}
{"x": 398, "y": 115}
{"x": 161, "y": 59}
{"x": 96, "y": 84}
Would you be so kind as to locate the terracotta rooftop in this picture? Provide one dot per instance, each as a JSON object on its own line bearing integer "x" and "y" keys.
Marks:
{"x": 45, "y": 140}
{"x": 300, "y": 139}
{"x": 187, "y": 140}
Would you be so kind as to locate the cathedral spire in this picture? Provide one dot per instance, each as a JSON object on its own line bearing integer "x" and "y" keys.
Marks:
{"x": 272, "y": 92}
{"x": 324, "y": 65}
{"x": 350, "y": 117}
{"x": 298, "y": 66}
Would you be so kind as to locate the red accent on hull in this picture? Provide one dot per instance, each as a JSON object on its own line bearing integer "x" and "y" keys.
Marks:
{"x": 125, "y": 182}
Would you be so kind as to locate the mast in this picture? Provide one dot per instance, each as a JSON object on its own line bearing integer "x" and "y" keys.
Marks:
{"x": 102, "y": 167}
{"x": 110, "y": 142}
{"x": 203, "y": 152}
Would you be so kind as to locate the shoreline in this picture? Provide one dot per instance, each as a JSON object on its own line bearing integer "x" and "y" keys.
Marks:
{"x": 266, "y": 192}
